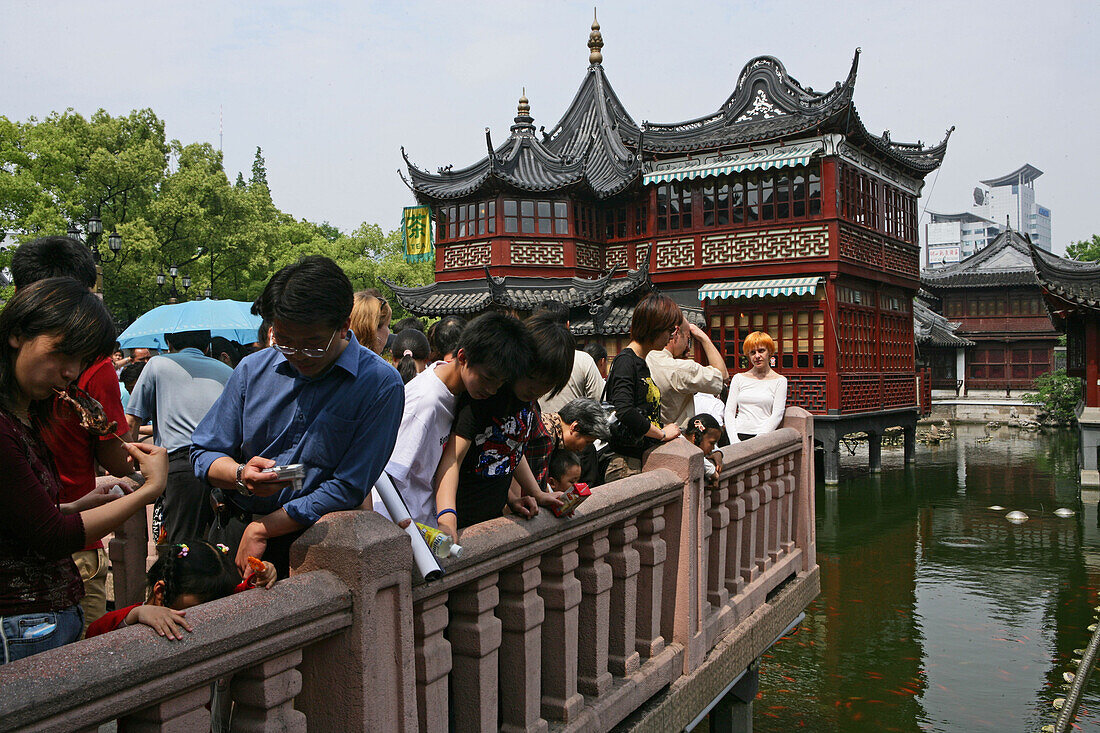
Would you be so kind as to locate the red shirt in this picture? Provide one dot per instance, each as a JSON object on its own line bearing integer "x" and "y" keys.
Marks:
{"x": 113, "y": 620}
{"x": 72, "y": 446}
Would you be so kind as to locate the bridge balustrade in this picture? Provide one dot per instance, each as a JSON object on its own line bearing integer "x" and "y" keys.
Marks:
{"x": 656, "y": 594}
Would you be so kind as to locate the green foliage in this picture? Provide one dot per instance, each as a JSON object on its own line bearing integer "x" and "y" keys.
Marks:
{"x": 173, "y": 204}
{"x": 1085, "y": 250}
{"x": 1057, "y": 396}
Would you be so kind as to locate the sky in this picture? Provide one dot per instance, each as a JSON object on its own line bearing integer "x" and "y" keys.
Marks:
{"x": 331, "y": 90}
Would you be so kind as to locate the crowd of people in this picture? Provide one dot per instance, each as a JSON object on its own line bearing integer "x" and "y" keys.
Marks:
{"x": 241, "y": 448}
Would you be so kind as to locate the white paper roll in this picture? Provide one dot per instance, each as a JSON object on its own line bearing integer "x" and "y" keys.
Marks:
{"x": 395, "y": 506}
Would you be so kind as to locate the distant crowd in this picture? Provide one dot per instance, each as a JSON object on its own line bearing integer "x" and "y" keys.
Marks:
{"x": 240, "y": 448}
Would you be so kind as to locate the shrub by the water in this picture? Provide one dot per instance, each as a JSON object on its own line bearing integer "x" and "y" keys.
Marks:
{"x": 1057, "y": 396}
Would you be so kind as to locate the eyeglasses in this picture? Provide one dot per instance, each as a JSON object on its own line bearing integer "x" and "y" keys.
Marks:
{"x": 310, "y": 353}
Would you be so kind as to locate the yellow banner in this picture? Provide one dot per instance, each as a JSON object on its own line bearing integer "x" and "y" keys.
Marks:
{"x": 416, "y": 232}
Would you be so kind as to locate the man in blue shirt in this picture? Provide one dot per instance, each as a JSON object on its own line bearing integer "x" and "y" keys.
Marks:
{"x": 175, "y": 391}
{"x": 316, "y": 397}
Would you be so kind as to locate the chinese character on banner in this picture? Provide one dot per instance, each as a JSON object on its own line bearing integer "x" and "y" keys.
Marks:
{"x": 416, "y": 233}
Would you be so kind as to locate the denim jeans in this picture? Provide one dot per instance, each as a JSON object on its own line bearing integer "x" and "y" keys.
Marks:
{"x": 70, "y": 624}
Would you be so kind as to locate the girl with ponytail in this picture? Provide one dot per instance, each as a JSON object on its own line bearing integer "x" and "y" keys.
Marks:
{"x": 410, "y": 353}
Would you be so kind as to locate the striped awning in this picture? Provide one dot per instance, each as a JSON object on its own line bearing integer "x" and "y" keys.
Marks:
{"x": 786, "y": 155}
{"x": 760, "y": 288}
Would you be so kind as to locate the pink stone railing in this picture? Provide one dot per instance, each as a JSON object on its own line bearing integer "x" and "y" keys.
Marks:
{"x": 657, "y": 592}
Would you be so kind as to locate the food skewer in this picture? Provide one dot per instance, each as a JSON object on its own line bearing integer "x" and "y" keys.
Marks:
{"x": 92, "y": 416}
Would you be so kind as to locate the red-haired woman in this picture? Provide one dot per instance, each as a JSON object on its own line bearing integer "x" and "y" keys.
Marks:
{"x": 631, "y": 390}
{"x": 757, "y": 397}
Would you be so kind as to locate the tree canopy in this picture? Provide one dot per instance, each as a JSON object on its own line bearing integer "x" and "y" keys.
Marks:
{"x": 1086, "y": 249}
{"x": 173, "y": 204}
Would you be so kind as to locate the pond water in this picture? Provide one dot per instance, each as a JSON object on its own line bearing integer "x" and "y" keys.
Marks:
{"x": 936, "y": 613}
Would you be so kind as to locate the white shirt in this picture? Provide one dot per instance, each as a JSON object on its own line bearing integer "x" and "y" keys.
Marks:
{"x": 425, "y": 427}
{"x": 679, "y": 381}
{"x": 710, "y": 405}
{"x": 584, "y": 381}
{"x": 754, "y": 406}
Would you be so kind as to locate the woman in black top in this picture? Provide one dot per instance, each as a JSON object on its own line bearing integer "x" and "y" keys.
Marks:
{"x": 630, "y": 389}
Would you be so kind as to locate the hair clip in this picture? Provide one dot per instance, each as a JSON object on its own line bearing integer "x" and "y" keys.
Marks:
{"x": 223, "y": 548}
{"x": 183, "y": 550}
{"x": 698, "y": 425}
{"x": 408, "y": 352}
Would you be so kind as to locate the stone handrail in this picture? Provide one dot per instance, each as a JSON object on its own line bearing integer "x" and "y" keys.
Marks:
{"x": 657, "y": 592}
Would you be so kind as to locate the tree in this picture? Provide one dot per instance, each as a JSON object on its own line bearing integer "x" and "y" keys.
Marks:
{"x": 1057, "y": 396}
{"x": 259, "y": 168}
{"x": 1085, "y": 250}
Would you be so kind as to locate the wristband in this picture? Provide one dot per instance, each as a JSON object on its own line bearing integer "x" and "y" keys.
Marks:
{"x": 446, "y": 511}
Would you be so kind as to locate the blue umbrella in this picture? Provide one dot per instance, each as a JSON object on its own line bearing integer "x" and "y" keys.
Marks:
{"x": 231, "y": 319}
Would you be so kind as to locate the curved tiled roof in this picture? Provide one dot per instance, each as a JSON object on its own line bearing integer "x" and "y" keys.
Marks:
{"x": 1072, "y": 281}
{"x": 596, "y": 146}
{"x": 932, "y": 329}
{"x": 1004, "y": 261}
{"x": 464, "y": 297}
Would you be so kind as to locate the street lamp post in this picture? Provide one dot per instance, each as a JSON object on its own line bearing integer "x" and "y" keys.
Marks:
{"x": 94, "y": 231}
{"x": 173, "y": 272}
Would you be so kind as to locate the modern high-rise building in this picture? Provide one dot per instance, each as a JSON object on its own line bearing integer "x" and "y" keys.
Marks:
{"x": 1007, "y": 200}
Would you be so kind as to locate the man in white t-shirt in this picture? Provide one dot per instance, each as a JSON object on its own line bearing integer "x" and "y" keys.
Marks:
{"x": 492, "y": 349}
{"x": 680, "y": 379}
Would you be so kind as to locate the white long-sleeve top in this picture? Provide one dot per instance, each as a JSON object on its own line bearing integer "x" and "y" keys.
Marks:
{"x": 754, "y": 406}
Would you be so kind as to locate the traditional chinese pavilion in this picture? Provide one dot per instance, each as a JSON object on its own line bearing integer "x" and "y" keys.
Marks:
{"x": 779, "y": 211}
{"x": 1071, "y": 291}
{"x": 994, "y": 297}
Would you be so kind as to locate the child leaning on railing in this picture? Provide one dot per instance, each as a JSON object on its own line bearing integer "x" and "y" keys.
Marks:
{"x": 185, "y": 575}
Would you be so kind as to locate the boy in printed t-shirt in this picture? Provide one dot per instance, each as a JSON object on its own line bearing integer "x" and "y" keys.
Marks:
{"x": 492, "y": 349}
{"x": 483, "y": 466}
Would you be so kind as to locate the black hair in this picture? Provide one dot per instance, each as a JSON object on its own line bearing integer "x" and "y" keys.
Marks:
{"x": 444, "y": 334}
{"x": 555, "y": 350}
{"x": 130, "y": 373}
{"x": 409, "y": 346}
{"x": 498, "y": 342}
{"x": 409, "y": 322}
{"x": 700, "y": 424}
{"x": 48, "y": 257}
{"x": 596, "y": 350}
{"x": 312, "y": 290}
{"x": 220, "y": 345}
{"x": 57, "y": 306}
{"x": 561, "y": 460}
{"x": 188, "y": 340}
{"x": 195, "y": 568}
{"x": 263, "y": 332}
{"x": 555, "y": 309}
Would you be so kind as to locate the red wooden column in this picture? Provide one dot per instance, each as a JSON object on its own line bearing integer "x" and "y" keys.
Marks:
{"x": 832, "y": 347}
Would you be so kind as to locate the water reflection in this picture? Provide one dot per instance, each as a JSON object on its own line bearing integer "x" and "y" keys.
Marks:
{"x": 937, "y": 614}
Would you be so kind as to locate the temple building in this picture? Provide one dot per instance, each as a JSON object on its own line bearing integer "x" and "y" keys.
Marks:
{"x": 994, "y": 297}
{"x": 1071, "y": 292}
{"x": 778, "y": 212}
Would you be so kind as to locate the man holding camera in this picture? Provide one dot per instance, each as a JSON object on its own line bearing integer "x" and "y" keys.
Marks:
{"x": 315, "y": 399}
{"x": 175, "y": 391}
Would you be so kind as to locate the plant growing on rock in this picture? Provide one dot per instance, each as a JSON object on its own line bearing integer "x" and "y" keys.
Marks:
{"x": 1057, "y": 396}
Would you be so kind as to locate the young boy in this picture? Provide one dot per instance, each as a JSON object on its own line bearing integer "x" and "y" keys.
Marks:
{"x": 565, "y": 470}
{"x": 492, "y": 349}
{"x": 484, "y": 466}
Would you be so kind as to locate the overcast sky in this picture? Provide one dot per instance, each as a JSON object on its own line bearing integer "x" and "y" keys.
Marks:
{"x": 332, "y": 89}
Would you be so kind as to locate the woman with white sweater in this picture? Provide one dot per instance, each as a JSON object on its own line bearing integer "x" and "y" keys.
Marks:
{"x": 757, "y": 397}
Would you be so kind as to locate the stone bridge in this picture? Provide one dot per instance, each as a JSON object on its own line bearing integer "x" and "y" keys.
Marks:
{"x": 641, "y": 612}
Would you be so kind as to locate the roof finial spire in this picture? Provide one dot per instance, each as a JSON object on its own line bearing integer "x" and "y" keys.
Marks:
{"x": 595, "y": 42}
{"x": 524, "y": 108}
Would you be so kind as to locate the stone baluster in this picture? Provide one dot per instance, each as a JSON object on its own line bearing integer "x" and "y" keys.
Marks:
{"x": 719, "y": 515}
{"x": 433, "y": 662}
{"x": 561, "y": 593}
{"x": 265, "y": 694}
{"x": 595, "y": 576}
{"x": 181, "y": 714}
{"x": 790, "y": 482}
{"x": 778, "y": 489}
{"x": 128, "y": 550}
{"x": 625, "y": 562}
{"x": 763, "y": 523}
{"x": 475, "y": 634}
{"x": 749, "y": 571}
{"x": 521, "y": 615}
{"x": 704, "y": 542}
{"x": 735, "y": 583}
{"x": 651, "y": 557}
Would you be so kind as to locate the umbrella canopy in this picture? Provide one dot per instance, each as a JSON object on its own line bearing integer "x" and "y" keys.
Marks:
{"x": 231, "y": 319}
